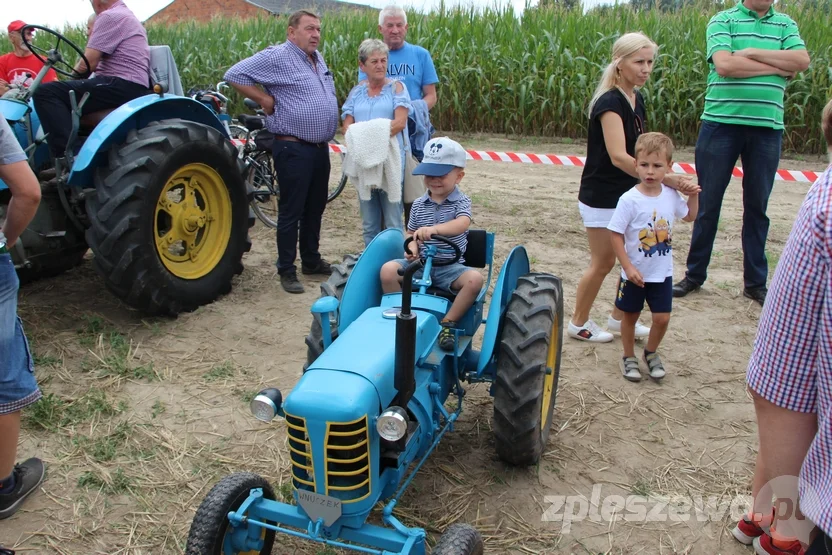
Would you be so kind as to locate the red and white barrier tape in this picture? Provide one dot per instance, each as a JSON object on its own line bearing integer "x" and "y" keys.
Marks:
{"x": 578, "y": 161}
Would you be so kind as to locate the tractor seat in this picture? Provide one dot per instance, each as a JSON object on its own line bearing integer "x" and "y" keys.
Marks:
{"x": 476, "y": 256}
{"x": 89, "y": 121}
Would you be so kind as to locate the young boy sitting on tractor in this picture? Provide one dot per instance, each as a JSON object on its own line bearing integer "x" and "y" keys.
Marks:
{"x": 442, "y": 210}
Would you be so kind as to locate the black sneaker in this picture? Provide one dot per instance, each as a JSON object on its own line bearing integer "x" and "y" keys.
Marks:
{"x": 4, "y": 551}
{"x": 27, "y": 475}
{"x": 446, "y": 336}
{"x": 757, "y": 294}
{"x": 323, "y": 268}
{"x": 684, "y": 287}
{"x": 290, "y": 283}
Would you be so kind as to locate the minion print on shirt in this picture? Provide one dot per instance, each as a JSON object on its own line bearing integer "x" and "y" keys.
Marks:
{"x": 656, "y": 237}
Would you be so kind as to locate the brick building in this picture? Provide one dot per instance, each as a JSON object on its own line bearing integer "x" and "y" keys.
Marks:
{"x": 204, "y": 10}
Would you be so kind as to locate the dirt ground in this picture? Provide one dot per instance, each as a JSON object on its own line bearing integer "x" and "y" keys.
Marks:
{"x": 142, "y": 416}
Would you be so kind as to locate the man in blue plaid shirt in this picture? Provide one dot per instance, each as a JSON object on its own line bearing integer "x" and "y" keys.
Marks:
{"x": 298, "y": 96}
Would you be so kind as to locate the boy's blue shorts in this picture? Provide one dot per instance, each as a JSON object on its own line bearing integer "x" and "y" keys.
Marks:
{"x": 18, "y": 386}
{"x": 441, "y": 276}
{"x": 631, "y": 297}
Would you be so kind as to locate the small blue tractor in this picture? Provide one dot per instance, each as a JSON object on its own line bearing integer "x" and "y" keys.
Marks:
{"x": 154, "y": 187}
{"x": 370, "y": 407}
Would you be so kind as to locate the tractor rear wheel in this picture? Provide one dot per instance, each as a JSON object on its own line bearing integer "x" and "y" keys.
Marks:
{"x": 459, "y": 539}
{"x": 332, "y": 287}
{"x": 210, "y": 525}
{"x": 169, "y": 218}
{"x": 528, "y": 366}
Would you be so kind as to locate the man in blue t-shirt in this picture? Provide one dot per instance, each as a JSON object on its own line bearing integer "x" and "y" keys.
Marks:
{"x": 406, "y": 62}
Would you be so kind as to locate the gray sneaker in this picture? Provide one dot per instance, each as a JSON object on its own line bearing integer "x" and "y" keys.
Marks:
{"x": 27, "y": 477}
{"x": 290, "y": 283}
{"x": 629, "y": 367}
{"x": 654, "y": 364}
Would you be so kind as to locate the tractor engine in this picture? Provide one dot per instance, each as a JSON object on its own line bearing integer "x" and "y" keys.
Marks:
{"x": 357, "y": 444}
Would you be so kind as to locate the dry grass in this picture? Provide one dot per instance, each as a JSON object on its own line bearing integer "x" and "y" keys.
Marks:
{"x": 144, "y": 415}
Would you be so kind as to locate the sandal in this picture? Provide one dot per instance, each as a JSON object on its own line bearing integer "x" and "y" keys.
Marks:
{"x": 654, "y": 363}
{"x": 446, "y": 336}
{"x": 629, "y": 367}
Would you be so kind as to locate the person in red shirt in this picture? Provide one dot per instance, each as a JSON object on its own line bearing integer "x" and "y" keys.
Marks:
{"x": 20, "y": 67}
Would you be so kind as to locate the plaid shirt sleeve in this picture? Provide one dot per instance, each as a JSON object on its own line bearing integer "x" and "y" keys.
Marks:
{"x": 264, "y": 68}
{"x": 791, "y": 338}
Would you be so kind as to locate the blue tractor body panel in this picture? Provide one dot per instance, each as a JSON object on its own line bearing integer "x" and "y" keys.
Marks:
{"x": 13, "y": 110}
{"x": 369, "y": 345}
{"x": 516, "y": 265}
{"x": 363, "y": 290}
{"x": 136, "y": 114}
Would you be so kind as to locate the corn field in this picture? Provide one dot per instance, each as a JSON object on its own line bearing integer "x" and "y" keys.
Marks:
{"x": 530, "y": 75}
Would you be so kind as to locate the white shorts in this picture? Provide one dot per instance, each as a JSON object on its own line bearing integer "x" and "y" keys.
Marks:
{"x": 595, "y": 217}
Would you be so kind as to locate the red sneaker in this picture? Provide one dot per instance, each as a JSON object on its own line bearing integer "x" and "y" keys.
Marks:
{"x": 763, "y": 545}
{"x": 745, "y": 531}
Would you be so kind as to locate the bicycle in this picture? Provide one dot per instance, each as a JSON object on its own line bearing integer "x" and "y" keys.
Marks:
{"x": 260, "y": 172}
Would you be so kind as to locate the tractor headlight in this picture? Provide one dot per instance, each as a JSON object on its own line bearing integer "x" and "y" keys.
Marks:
{"x": 266, "y": 404}
{"x": 392, "y": 424}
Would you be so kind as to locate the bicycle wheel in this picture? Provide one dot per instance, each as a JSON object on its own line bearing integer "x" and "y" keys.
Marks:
{"x": 337, "y": 179}
{"x": 263, "y": 179}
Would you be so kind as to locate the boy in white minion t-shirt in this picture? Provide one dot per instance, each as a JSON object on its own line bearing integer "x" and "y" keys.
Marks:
{"x": 642, "y": 230}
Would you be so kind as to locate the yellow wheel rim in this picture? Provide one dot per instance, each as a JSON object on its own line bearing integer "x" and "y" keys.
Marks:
{"x": 192, "y": 223}
{"x": 549, "y": 378}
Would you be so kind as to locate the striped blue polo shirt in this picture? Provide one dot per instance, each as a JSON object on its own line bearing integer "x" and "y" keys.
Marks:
{"x": 426, "y": 212}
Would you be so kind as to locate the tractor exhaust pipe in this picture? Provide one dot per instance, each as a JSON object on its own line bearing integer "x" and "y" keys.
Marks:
{"x": 405, "y": 366}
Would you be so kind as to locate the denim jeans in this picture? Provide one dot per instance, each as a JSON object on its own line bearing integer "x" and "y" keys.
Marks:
{"x": 718, "y": 147}
{"x": 18, "y": 386}
{"x": 377, "y": 211}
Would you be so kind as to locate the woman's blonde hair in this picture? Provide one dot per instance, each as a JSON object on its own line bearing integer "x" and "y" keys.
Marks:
{"x": 624, "y": 47}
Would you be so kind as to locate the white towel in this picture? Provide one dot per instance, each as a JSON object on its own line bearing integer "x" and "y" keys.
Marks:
{"x": 373, "y": 159}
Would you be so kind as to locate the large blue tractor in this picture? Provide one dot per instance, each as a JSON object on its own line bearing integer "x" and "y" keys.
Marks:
{"x": 371, "y": 407}
{"x": 155, "y": 188}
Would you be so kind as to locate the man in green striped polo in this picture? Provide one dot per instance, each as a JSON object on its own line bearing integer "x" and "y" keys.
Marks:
{"x": 753, "y": 52}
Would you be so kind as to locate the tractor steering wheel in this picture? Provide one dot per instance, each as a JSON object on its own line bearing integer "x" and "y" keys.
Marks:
{"x": 54, "y": 56}
{"x": 442, "y": 239}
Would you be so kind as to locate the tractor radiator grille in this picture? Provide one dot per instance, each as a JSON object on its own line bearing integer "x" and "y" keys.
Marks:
{"x": 300, "y": 451}
{"x": 348, "y": 460}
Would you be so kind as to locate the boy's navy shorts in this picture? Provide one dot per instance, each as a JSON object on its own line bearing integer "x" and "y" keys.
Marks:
{"x": 631, "y": 297}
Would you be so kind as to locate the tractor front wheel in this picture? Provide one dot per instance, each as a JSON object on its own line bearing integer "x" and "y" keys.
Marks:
{"x": 169, "y": 218}
{"x": 332, "y": 287}
{"x": 210, "y": 528}
{"x": 459, "y": 539}
{"x": 528, "y": 366}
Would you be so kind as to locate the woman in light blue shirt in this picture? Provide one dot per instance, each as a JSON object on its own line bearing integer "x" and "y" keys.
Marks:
{"x": 379, "y": 97}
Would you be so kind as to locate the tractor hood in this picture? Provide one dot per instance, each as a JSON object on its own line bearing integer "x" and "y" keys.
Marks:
{"x": 368, "y": 348}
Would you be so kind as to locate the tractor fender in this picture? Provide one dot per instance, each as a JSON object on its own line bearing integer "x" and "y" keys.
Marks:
{"x": 363, "y": 289}
{"x": 516, "y": 265}
{"x": 136, "y": 114}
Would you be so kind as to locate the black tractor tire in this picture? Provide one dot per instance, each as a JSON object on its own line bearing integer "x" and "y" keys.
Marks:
{"x": 57, "y": 253}
{"x": 122, "y": 216}
{"x": 533, "y": 316}
{"x": 332, "y": 287}
{"x": 52, "y": 266}
{"x": 210, "y": 523}
{"x": 459, "y": 539}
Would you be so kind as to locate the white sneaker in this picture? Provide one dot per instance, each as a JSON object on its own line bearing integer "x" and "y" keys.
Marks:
{"x": 590, "y": 331}
{"x": 642, "y": 331}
